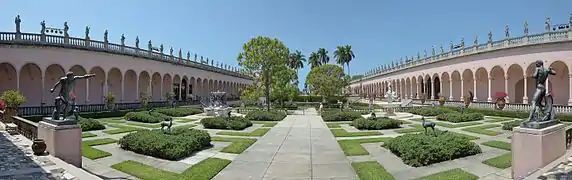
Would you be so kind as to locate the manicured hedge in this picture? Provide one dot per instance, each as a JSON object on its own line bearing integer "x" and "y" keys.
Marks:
{"x": 177, "y": 144}
{"x": 429, "y": 111}
{"x": 90, "y": 124}
{"x": 287, "y": 105}
{"x": 179, "y": 112}
{"x": 234, "y": 123}
{"x": 146, "y": 117}
{"x": 331, "y": 100}
{"x": 511, "y": 114}
{"x": 460, "y": 117}
{"x": 260, "y": 115}
{"x": 376, "y": 124}
{"x": 340, "y": 115}
{"x": 89, "y": 115}
{"x": 425, "y": 149}
{"x": 511, "y": 124}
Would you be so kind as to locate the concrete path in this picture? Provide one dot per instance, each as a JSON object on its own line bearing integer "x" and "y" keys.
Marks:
{"x": 298, "y": 147}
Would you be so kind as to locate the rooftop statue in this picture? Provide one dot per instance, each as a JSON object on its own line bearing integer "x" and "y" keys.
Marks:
{"x": 43, "y": 24}
{"x": 17, "y": 21}
{"x": 526, "y": 28}
{"x": 547, "y": 24}
{"x": 161, "y": 48}
{"x": 506, "y": 31}
{"x": 123, "y": 39}
{"x": 86, "y": 31}
{"x": 137, "y": 42}
{"x": 490, "y": 35}
{"x": 65, "y": 100}
{"x": 546, "y": 117}
{"x": 150, "y": 45}
{"x": 476, "y": 42}
{"x": 66, "y": 29}
{"x": 188, "y": 55}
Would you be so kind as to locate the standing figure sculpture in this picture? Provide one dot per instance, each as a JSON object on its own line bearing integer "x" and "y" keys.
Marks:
{"x": 66, "y": 97}
{"x": 17, "y": 21}
{"x": 66, "y": 29}
{"x": 43, "y": 24}
{"x": 541, "y": 75}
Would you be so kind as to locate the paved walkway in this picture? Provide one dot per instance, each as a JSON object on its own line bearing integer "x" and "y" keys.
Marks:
{"x": 298, "y": 147}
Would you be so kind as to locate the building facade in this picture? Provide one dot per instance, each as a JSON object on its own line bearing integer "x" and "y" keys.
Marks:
{"x": 33, "y": 62}
{"x": 485, "y": 69}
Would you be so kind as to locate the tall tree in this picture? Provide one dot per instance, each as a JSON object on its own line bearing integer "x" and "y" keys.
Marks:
{"x": 313, "y": 61}
{"x": 327, "y": 80}
{"x": 323, "y": 56}
{"x": 344, "y": 55}
{"x": 296, "y": 60}
{"x": 264, "y": 56}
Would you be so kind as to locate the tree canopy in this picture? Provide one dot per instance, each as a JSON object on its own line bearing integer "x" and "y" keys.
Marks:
{"x": 327, "y": 80}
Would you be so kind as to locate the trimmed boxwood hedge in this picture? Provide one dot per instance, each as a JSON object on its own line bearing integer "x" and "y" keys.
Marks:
{"x": 90, "y": 124}
{"x": 176, "y": 144}
{"x": 509, "y": 113}
{"x": 511, "y": 124}
{"x": 259, "y": 115}
{"x": 429, "y": 111}
{"x": 179, "y": 112}
{"x": 234, "y": 123}
{"x": 340, "y": 115}
{"x": 376, "y": 124}
{"x": 460, "y": 117}
{"x": 424, "y": 149}
{"x": 146, "y": 117}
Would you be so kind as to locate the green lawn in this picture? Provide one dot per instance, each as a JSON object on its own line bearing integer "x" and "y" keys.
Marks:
{"x": 186, "y": 126}
{"x": 502, "y": 162}
{"x": 353, "y": 147}
{"x": 147, "y": 125}
{"x": 258, "y": 132}
{"x": 344, "y": 133}
{"x": 87, "y": 134}
{"x": 92, "y": 153}
{"x": 494, "y": 119}
{"x": 371, "y": 170}
{"x": 336, "y": 124}
{"x": 120, "y": 129}
{"x": 184, "y": 120}
{"x": 266, "y": 123}
{"x": 498, "y": 144}
{"x": 453, "y": 174}
{"x": 484, "y": 129}
{"x": 238, "y": 144}
{"x": 451, "y": 125}
{"x": 205, "y": 169}
{"x": 112, "y": 120}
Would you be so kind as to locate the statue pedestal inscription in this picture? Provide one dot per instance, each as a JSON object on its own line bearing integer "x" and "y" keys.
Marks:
{"x": 536, "y": 148}
{"x": 62, "y": 141}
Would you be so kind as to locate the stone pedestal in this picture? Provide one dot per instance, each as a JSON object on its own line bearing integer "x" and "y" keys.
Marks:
{"x": 535, "y": 148}
{"x": 62, "y": 141}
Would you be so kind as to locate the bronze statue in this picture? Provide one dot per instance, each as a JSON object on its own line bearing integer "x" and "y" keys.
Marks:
{"x": 66, "y": 29}
{"x": 433, "y": 51}
{"x": 171, "y": 51}
{"x": 525, "y": 28}
{"x": 86, "y": 31}
{"x": 150, "y": 45}
{"x": 123, "y": 39}
{"x": 534, "y": 121}
{"x": 490, "y": 35}
{"x": 188, "y": 56}
{"x": 137, "y": 42}
{"x": 66, "y": 97}
{"x": 17, "y": 21}
{"x": 105, "y": 36}
{"x": 161, "y": 48}
{"x": 547, "y": 24}
{"x": 43, "y": 24}
{"x": 506, "y": 32}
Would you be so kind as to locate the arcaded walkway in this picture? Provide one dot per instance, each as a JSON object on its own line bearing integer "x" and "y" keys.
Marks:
{"x": 299, "y": 147}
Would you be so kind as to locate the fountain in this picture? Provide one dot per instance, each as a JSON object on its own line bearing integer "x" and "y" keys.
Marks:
{"x": 215, "y": 105}
{"x": 390, "y": 103}
{"x": 390, "y": 94}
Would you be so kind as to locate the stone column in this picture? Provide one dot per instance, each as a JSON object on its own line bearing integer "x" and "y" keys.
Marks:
{"x": 432, "y": 88}
{"x": 137, "y": 89}
{"x": 180, "y": 88}
{"x": 506, "y": 88}
{"x": 570, "y": 85}
{"x": 475, "y": 88}
{"x": 525, "y": 97}
{"x": 450, "y": 88}
{"x": 417, "y": 89}
{"x": 462, "y": 88}
{"x": 441, "y": 87}
{"x": 122, "y": 90}
{"x": 87, "y": 82}
{"x": 489, "y": 99}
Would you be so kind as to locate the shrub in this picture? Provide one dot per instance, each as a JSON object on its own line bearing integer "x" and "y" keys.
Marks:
{"x": 511, "y": 124}
{"x": 341, "y": 116}
{"x": 376, "y": 124}
{"x": 425, "y": 149}
{"x": 13, "y": 98}
{"x": 90, "y": 124}
{"x": 179, "y": 112}
{"x": 145, "y": 117}
{"x": 430, "y": 111}
{"x": 460, "y": 117}
{"x": 260, "y": 115}
{"x": 288, "y": 106}
{"x": 174, "y": 145}
{"x": 234, "y": 123}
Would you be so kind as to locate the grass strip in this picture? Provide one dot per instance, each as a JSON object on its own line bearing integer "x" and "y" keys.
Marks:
{"x": 91, "y": 153}
{"x": 453, "y": 174}
{"x": 371, "y": 170}
{"x": 494, "y": 119}
{"x": 502, "y": 162}
{"x": 498, "y": 144}
{"x": 258, "y": 133}
{"x": 120, "y": 129}
{"x": 186, "y": 126}
{"x": 484, "y": 130}
{"x": 147, "y": 125}
{"x": 451, "y": 125}
{"x": 266, "y": 123}
{"x": 112, "y": 120}
{"x": 205, "y": 169}
{"x": 87, "y": 135}
{"x": 353, "y": 147}
{"x": 184, "y": 120}
{"x": 238, "y": 145}
{"x": 336, "y": 124}
{"x": 344, "y": 133}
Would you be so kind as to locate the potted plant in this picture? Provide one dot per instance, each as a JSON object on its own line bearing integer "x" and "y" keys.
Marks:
{"x": 501, "y": 100}
{"x": 170, "y": 98}
{"x": 442, "y": 99}
{"x": 110, "y": 101}
{"x": 12, "y": 99}
{"x": 38, "y": 147}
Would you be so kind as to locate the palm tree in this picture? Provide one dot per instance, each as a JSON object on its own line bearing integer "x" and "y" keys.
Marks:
{"x": 323, "y": 56}
{"x": 314, "y": 61}
{"x": 296, "y": 61}
{"x": 344, "y": 55}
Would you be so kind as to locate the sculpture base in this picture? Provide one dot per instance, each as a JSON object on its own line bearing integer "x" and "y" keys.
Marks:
{"x": 539, "y": 125}
{"x": 536, "y": 148}
{"x": 62, "y": 141}
{"x": 61, "y": 121}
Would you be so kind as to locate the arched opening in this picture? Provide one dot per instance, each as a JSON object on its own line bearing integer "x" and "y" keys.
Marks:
{"x": 408, "y": 87}
{"x": 445, "y": 85}
{"x": 96, "y": 86}
{"x": 193, "y": 88}
{"x": 184, "y": 89}
{"x": 156, "y": 87}
{"x": 456, "y": 82}
{"x": 436, "y": 87}
{"x": 8, "y": 78}
{"x": 144, "y": 81}
{"x": 498, "y": 83}
{"x": 167, "y": 83}
{"x": 80, "y": 89}
{"x": 199, "y": 88}
{"x": 560, "y": 83}
{"x": 114, "y": 80}
{"x": 31, "y": 85}
{"x": 176, "y": 87}
{"x": 53, "y": 74}
{"x": 205, "y": 89}
{"x": 130, "y": 84}
{"x": 482, "y": 91}
{"x": 468, "y": 82}
{"x": 415, "y": 88}
{"x": 428, "y": 89}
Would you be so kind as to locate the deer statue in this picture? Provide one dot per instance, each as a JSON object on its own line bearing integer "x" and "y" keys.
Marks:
{"x": 427, "y": 124}
{"x": 168, "y": 123}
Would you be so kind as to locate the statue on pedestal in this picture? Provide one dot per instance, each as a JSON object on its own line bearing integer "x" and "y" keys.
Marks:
{"x": 526, "y": 28}
{"x": 433, "y": 51}
{"x": 547, "y": 24}
{"x": 476, "y": 42}
{"x": 547, "y": 115}
{"x": 17, "y": 21}
{"x": 137, "y": 42}
{"x": 506, "y": 32}
{"x": 195, "y": 57}
{"x": 442, "y": 50}
{"x": 123, "y": 39}
{"x": 66, "y": 29}
{"x": 43, "y": 24}
{"x": 490, "y": 35}
{"x": 188, "y": 55}
{"x": 451, "y": 45}
{"x": 462, "y": 42}
{"x": 161, "y": 48}
{"x": 105, "y": 36}
{"x": 171, "y": 51}
{"x": 87, "y": 32}
{"x": 425, "y": 53}
{"x": 65, "y": 100}
{"x": 150, "y": 45}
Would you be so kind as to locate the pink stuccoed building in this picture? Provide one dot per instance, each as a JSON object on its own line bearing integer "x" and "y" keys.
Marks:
{"x": 33, "y": 62}
{"x": 484, "y": 68}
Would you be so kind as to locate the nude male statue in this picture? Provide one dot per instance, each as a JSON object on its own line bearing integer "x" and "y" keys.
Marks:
{"x": 541, "y": 75}
{"x": 65, "y": 95}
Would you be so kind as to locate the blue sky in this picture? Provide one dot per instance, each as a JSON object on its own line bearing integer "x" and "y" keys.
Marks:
{"x": 379, "y": 31}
